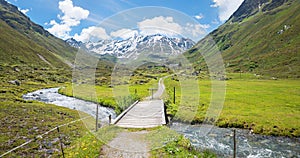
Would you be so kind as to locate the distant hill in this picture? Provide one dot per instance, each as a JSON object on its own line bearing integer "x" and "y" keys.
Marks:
{"x": 261, "y": 37}
{"x": 24, "y": 42}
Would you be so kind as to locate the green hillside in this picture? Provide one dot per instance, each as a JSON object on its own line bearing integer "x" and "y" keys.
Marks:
{"x": 24, "y": 42}
{"x": 261, "y": 37}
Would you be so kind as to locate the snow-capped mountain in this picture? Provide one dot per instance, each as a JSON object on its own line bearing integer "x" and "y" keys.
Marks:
{"x": 72, "y": 42}
{"x": 152, "y": 44}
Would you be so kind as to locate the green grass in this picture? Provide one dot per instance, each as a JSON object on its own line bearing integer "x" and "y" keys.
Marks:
{"x": 254, "y": 45}
{"x": 118, "y": 97}
{"x": 165, "y": 142}
{"x": 23, "y": 40}
{"x": 89, "y": 145}
{"x": 270, "y": 107}
{"x": 23, "y": 120}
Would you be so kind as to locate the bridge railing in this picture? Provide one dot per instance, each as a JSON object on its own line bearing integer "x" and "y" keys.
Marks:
{"x": 116, "y": 120}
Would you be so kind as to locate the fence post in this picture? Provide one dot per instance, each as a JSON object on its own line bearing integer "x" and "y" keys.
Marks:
{"x": 234, "y": 143}
{"x": 152, "y": 93}
{"x": 109, "y": 119}
{"x": 97, "y": 117}
{"x": 174, "y": 94}
{"x": 61, "y": 144}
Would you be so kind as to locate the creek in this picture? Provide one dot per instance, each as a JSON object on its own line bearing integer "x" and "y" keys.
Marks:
{"x": 218, "y": 140}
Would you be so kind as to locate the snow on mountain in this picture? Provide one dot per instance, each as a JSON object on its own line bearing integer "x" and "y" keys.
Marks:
{"x": 152, "y": 44}
{"x": 72, "y": 42}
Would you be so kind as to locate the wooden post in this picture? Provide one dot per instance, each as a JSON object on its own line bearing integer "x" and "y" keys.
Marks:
{"x": 97, "y": 108}
{"x": 61, "y": 145}
{"x": 240, "y": 69}
{"x": 234, "y": 143}
{"x": 152, "y": 93}
{"x": 174, "y": 94}
{"x": 135, "y": 91}
{"x": 240, "y": 73}
{"x": 109, "y": 119}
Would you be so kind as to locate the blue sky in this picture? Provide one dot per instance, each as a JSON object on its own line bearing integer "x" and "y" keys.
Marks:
{"x": 78, "y": 18}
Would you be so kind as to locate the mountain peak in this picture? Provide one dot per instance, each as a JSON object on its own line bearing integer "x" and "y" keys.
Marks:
{"x": 252, "y": 7}
{"x": 261, "y": 37}
{"x": 26, "y": 42}
{"x": 157, "y": 43}
{"x": 19, "y": 21}
{"x": 74, "y": 43}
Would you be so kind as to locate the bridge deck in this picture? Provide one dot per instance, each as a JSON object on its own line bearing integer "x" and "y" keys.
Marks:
{"x": 145, "y": 114}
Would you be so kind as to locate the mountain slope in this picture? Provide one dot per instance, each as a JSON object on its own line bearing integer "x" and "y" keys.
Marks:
{"x": 261, "y": 37}
{"x": 24, "y": 42}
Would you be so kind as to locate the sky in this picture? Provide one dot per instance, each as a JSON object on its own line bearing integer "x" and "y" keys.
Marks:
{"x": 108, "y": 19}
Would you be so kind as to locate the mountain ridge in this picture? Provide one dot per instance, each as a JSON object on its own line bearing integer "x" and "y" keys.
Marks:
{"x": 136, "y": 44}
{"x": 29, "y": 42}
{"x": 265, "y": 43}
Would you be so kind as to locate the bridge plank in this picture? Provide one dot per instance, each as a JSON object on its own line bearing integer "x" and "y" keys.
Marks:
{"x": 145, "y": 114}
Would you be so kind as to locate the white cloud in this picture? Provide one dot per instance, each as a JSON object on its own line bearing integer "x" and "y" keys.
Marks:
{"x": 24, "y": 11}
{"x": 72, "y": 15}
{"x": 124, "y": 33}
{"x": 195, "y": 31}
{"x": 90, "y": 33}
{"x": 226, "y": 7}
{"x": 167, "y": 26}
{"x": 199, "y": 16}
{"x": 157, "y": 25}
{"x": 162, "y": 25}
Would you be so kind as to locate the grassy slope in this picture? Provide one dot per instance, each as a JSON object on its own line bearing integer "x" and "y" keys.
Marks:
{"x": 254, "y": 44}
{"x": 17, "y": 49}
{"x": 22, "y": 40}
{"x": 269, "y": 107}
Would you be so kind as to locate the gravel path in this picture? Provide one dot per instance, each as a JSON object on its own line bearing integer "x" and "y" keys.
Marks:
{"x": 126, "y": 145}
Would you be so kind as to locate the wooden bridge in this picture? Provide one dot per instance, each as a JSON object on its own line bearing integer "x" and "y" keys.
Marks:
{"x": 145, "y": 114}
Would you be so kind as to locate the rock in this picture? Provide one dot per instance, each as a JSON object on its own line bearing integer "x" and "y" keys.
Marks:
{"x": 50, "y": 151}
{"x": 15, "y": 82}
{"x": 274, "y": 78}
{"x": 16, "y": 69}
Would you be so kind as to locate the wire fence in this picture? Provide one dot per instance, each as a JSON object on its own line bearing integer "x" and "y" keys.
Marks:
{"x": 42, "y": 135}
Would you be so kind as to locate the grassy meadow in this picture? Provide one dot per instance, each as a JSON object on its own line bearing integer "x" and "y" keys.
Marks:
{"x": 267, "y": 106}
{"x": 121, "y": 95}
{"x": 270, "y": 107}
{"x": 24, "y": 120}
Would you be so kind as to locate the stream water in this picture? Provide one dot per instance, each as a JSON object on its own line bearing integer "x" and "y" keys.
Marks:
{"x": 218, "y": 140}
{"x": 52, "y": 96}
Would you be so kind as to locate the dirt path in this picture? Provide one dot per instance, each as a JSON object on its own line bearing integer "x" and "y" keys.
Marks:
{"x": 127, "y": 145}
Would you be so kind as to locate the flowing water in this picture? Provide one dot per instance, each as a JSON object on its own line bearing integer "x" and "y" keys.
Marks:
{"x": 52, "y": 96}
{"x": 218, "y": 140}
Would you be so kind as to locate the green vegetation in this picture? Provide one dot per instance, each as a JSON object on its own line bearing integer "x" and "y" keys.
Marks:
{"x": 270, "y": 107}
{"x": 24, "y": 120}
{"x": 167, "y": 143}
{"x": 116, "y": 96}
{"x": 32, "y": 59}
{"x": 90, "y": 144}
{"x": 24, "y": 42}
{"x": 256, "y": 44}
